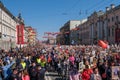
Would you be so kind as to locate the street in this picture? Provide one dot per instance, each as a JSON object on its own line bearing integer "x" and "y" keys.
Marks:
{"x": 52, "y": 76}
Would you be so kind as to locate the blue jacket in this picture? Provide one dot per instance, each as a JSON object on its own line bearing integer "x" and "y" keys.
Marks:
{"x": 6, "y": 68}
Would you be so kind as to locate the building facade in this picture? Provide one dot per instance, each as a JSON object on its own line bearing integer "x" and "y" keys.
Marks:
{"x": 113, "y": 17}
{"x": 20, "y": 28}
{"x": 101, "y": 26}
{"x": 84, "y": 33}
{"x": 74, "y": 33}
{"x": 7, "y": 28}
{"x": 25, "y": 37}
{"x": 96, "y": 27}
{"x": 65, "y": 36}
{"x": 31, "y": 35}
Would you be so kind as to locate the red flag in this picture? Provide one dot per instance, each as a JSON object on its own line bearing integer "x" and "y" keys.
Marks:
{"x": 102, "y": 44}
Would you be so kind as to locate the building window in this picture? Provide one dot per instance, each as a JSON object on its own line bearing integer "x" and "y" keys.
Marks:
{"x": 108, "y": 31}
{"x": 112, "y": 31}
{"x": 117, "y": 18}
{"x": 103, "y": 22}
{"x": 112, "y": 19}
{"x": 108, "y": 20}
{"x": 3, "y": 17}
{"x": 96, "y": 24}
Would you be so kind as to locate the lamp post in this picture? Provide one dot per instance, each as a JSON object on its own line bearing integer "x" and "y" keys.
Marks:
{"x": 10, "y": 44}
{"x": 20, "y": 40}
{"x": 20, "y": 46}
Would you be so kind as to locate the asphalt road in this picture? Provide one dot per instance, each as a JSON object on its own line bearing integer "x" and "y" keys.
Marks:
{"x": 53, "y": 76}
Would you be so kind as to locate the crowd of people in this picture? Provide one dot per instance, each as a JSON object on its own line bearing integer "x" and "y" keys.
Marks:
{"x": 78, "y": 62}
{"x": 90, "y": 62}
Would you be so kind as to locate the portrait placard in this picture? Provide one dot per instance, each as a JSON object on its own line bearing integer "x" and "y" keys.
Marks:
{"x": 116, "y": 73}
{"x": 81, "y": 65}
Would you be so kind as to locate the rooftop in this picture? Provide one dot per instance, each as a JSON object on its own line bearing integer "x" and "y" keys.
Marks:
{"x": 7, "y": 11}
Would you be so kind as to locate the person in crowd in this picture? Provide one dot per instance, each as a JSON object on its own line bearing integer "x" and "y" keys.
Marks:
{"x": 6, "y": 69}
{"x": 43, "y": 62}
{"x": 74, "y": 74}
{"x": 40, "y": 73}
{"x": 59, "y": 69}
{"x": 23, "y": 64}
{"x": 77, "y": 61}
{"x": 86, "y": 73}
{"x": 20, "y": 75}
{"x": 86, "y": 63}
{"x": 1, "y": 74}
{"x": 105, "y": 71}
{"x": 14, "y": 75}
{"x": 71, "y": 60}
{"x": 25, "y": 75}
{"x": 33, "y": 71}
{"x": 27, "y": 61}
{"x": 38, "y": 60}
{"x": 55, "y": 60}
{"x": 95, "y": 75}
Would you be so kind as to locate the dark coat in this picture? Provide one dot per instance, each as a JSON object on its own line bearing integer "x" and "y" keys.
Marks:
{"x": 41, "y": 74}
{"x": 32, "y": 72}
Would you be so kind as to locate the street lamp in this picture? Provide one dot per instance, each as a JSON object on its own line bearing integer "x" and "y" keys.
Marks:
{"x": 10, "y": 44}
{"x": 20, "y": 39}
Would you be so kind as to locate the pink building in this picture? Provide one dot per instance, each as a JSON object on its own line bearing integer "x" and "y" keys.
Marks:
{"x": 113, "y": 17}
{"x": 102, "y": 26}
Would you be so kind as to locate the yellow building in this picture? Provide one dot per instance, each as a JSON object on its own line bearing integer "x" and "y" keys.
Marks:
{"x": 31, "y": 35}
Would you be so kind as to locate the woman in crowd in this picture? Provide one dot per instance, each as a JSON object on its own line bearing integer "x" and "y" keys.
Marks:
{"x": 86, "y": 74}
{"x": 25, "y": 75}
{"x": 95, "y": 75}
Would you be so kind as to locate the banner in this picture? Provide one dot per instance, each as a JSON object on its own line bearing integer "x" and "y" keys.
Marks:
{"x": 20, "y": 34}
{"x": 115, "y": 72}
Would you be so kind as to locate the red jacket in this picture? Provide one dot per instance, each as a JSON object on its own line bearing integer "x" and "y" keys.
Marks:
{"x": 27, "y": 77}
{"x": 86, "y": 74}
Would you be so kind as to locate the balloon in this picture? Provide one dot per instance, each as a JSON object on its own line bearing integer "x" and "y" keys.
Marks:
{"x": 102, "y": 44}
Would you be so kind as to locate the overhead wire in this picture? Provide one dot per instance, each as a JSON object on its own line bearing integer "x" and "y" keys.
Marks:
{"x": 94, "y": 7}
{"x": 83, "y": 12}
{"x": 73, "y": 6}
{"x": 99, "y": 6}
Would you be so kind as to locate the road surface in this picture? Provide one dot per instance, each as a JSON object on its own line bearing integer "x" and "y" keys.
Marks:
{"x": 52, "y": 76}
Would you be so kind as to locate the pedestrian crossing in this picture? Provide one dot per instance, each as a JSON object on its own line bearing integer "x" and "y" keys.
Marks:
{"x": 47, "y": 77}
{"x": 52, "y": 76}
